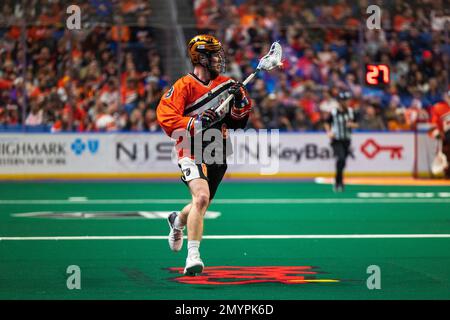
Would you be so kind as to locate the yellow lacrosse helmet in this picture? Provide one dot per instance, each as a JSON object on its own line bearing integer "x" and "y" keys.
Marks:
{"x": 202, "y": 46}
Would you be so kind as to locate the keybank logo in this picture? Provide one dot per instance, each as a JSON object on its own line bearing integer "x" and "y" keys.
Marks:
{"x": 78, "y": 146}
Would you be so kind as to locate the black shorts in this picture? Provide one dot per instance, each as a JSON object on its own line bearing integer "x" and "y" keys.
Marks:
{"x": 212, "y": 173}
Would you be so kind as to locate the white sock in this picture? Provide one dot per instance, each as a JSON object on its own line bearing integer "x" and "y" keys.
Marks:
{"x": 193, "y": 246}
{"x": 177, "y": 223}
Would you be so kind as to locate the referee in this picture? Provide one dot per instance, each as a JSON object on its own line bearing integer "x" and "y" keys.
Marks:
{"x": 339, "y": 127}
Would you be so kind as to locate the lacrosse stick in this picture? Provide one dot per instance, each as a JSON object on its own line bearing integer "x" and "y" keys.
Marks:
{"x": 440, "y": 161}
{"x": 268, "y": 62}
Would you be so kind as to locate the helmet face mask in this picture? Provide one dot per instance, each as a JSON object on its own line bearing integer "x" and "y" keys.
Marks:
{"x": 214, "y": 62}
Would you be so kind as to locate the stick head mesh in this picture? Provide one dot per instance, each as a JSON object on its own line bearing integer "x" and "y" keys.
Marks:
{"x": 272, "y": 59}
{"x": 439, "y": 164}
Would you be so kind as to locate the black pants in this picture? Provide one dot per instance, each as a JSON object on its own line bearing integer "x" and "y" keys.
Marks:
{"x": 341, "y": 150}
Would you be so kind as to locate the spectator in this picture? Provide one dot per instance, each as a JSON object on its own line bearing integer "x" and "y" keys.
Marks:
{"x": 270, "y": 112}
{"x": 120, "y": 31}
{"x": 13, "y": 116}
{"x": 398, "y": 123}
{"x": 136, "y": 121}
{"x": 328, "y": 103}
{"x": 415, "y": 113}
{"x": 433, "y": 94}
{"x": 3, "y": 119}
{"x": 150, "y": 121}
{"x": 370, "y": 120}
{"x": 35, "y": 117}
{"x": 301, "y": 122}
{"x": 105, "y": 119}
{"x": 391, "y": 112}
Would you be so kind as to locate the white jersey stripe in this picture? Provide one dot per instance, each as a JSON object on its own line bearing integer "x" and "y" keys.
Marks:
{"x": 206, "y": 95}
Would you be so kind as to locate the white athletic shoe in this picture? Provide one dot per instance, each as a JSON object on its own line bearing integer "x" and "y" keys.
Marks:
{"x": 194, "y": 265}
{"x": 175, "y": 235}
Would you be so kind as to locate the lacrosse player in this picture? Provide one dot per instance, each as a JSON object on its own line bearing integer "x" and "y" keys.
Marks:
{"x": 186, "y": 112}
{"x": 440, "y": 119}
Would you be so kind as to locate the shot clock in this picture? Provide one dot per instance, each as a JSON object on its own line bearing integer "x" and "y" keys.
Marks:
{"x": 377, "y": 75}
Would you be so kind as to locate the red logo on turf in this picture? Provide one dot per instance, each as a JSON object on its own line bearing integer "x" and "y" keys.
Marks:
{"x": 229, "y": 275}
{"x": 371, "y": 148}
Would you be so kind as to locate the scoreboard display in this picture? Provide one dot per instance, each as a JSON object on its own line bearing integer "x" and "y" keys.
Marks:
{"x": 377, "y": 75}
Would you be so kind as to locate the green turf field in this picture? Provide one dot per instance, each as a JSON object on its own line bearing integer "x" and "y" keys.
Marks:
{"x": 335, "y": 237}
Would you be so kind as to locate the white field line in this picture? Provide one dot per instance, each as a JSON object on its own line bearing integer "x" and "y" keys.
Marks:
{"x": 230, "y": 201}
{"x": 403, "y": 194}
{"x": 76, "y": 199}
{"x": 104, "y": 215}
{"x": 240, "y": 237}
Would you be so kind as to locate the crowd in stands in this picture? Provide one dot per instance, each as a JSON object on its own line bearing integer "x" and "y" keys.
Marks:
{"x": 73, "y": 80}
{"x": 326, "y": 47}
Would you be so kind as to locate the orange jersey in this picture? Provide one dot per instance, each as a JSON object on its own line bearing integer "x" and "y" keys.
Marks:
{"x": 440, "y": 116}
{"x": 189, "y": 97}
{"x": 180, "y": 106}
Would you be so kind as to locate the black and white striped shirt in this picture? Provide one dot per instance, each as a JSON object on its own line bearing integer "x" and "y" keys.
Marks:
{"x": 338, "y": 121}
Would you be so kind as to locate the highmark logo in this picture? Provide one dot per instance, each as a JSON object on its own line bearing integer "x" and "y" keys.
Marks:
{"x": 230, "y": 275}
{"x": 78, "y": 146}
